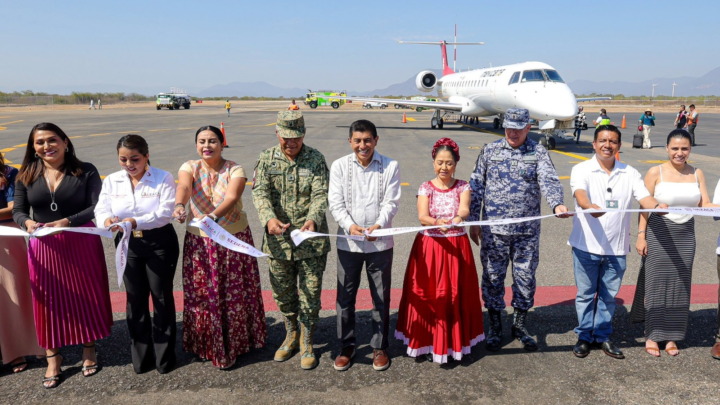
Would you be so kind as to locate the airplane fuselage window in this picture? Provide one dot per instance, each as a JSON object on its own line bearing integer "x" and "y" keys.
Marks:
{"x": 533, "y": 76}
{"x": 554, "y": 76}
{"x": 515, "y": 78}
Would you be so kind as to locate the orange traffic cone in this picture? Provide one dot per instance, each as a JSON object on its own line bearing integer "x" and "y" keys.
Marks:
{"x": 624, "y": 124}
{"x": 222, "y": 129}
{"x": 404, "y": 121}
{"x": 617, "y": 156}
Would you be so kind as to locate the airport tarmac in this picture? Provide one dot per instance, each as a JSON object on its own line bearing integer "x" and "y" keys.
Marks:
{"x": 550, "y": 375}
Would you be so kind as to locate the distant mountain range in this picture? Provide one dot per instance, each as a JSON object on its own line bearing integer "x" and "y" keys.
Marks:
{"x": 708, "y": 84}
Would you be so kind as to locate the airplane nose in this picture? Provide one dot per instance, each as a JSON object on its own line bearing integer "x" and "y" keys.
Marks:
{"x": 564, "y": 105}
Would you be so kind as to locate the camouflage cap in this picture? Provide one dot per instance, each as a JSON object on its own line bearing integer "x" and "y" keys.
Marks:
{"x": 290, "y": 124}
{"x": 516, "y": 118}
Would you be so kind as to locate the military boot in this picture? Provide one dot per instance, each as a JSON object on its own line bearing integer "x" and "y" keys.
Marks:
{"x": 494, "y": 336}
{"x": 290, "y": 344}
{"x": 308, "y": 361}
{"x": 520, "y": 332}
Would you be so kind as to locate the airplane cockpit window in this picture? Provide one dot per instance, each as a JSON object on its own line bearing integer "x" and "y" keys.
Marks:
{"x": 515, "y": 78}
{"x": 532, "y": 76}
{"x": 554, "y": 76}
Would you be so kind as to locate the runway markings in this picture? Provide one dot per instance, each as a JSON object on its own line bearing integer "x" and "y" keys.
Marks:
{"x": 158, "y": 130}
{"x": 6, "y": 150}
{"x": 106, "y": 133}
{"x": 257, "y": 125}
{"x": 473, "y": 147}
{"x": 410, "y": 119}
{"x": 571, "y": 155}
{"x": 11, "y": 122}
{"x": 128, "y": 132}
{"x": 404, "y": 184}
{"x": 545, "y": 296}
{"x": 575, "y": 162}
{"x": 75, "y": 137}
{"x": 15, "y": 166}
{"x": 182, "y": 129}
{"x": 564, "y": 177}
{"x": 22, "y": 145}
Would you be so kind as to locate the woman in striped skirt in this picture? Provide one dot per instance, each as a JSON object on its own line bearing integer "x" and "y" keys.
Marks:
{"x": 667, "y": 244}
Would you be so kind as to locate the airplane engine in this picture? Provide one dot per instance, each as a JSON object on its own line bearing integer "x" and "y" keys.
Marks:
{"x": 426, "y": 81}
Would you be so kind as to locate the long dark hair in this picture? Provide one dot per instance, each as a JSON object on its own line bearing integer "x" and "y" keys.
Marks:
{"x": 3, "y": 173}
{"x": 134, "y": 142}
{"x": 32, "y": 166}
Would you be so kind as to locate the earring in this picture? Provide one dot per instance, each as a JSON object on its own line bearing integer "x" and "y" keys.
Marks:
{"x": 147, "y": 167}
{"x": 67, "y": 150}
{"x": 36, "y": 155}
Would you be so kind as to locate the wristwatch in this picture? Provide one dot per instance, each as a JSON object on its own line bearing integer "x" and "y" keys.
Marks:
{"x": 213, "y": 217}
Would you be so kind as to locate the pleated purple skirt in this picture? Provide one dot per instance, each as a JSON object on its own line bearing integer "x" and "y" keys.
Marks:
{"x": 71, "y": 294}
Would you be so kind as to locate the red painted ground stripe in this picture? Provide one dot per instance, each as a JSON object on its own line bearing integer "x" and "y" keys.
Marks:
{"x": 545, "y": 296}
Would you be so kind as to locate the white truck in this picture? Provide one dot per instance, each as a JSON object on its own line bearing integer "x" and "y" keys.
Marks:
{"x": 173, "y": 101}
{"x": 374, "y": 104}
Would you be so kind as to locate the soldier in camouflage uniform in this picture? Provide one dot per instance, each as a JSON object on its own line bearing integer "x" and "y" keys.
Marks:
{"x": 290, "y": 191}
{"x": 509, "y": 177}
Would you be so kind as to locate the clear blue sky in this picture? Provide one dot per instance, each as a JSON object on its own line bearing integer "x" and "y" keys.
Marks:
{"x": 342, "y": 44}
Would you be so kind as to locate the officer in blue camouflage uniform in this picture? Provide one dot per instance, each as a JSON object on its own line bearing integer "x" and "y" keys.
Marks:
{"x": 290, "y": 191}
{"x": 509, "y": 176}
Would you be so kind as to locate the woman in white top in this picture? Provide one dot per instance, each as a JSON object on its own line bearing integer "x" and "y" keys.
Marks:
{"x": 667, "y": 244}
{"x": 145, "y": 197}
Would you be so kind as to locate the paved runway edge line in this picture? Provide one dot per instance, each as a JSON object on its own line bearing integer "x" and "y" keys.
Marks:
{"x": 544, "y": 297}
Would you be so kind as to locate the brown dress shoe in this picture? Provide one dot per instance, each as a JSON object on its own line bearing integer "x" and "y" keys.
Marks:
{"x": 716, "y": 351}
{"x": 344, "y": 360}
{"x": 381, "y": 361}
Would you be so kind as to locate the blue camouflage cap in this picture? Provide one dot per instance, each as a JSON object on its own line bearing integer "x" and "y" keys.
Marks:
{"x": 516, "y": 118}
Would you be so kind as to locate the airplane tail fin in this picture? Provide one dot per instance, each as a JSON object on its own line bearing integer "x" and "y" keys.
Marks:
{"x": 443, "y": 46}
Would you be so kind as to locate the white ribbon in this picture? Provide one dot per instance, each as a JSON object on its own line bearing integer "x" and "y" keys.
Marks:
{"x": 300, "y": 237}
{"x": 120, "y": 254}
{"x": 699, "y": 211}
{"x": 224, "y": 238}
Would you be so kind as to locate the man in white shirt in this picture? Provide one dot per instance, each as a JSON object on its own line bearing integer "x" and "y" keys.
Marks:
{"x": 600, "y": 242}
{"x": 363, "y": 196}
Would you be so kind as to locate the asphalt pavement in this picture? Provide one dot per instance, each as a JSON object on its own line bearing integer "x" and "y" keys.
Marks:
{"x": 552, "y": 374}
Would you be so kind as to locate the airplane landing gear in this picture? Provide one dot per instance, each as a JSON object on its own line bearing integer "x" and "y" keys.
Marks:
{"x": 436, "y": 121}
{"x": 548, "y": 142}
{"x": 497, "y": 122}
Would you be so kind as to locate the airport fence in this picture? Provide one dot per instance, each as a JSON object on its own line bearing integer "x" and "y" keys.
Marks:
{"x": 21, "y": 101}
{"x": 657, "y": 103}
{"x": 14, "y": 100}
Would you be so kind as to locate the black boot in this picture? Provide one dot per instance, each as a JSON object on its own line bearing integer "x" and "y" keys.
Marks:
{"x": 494, "y": 336}
{"x": 520, "y": 332}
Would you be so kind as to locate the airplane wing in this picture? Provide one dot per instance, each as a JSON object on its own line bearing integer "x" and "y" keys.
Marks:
{"x": 580, "y": 100}
{"x": 437, "y": 105}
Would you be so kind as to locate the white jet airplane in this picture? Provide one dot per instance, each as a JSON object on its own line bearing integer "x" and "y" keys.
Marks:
{"x": 535, "y": 86}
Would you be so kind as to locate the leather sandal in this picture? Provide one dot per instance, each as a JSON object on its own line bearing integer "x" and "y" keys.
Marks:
{"x": 55, "y": 380}
{"x": 19, "y": 367}
{"x": 653, "y": 351}
{"x": 674, "y": 347}
{"x": 89, "y": 371}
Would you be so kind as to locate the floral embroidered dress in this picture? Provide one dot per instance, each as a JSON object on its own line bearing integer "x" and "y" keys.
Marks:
{"x": 440, "y": 310}
{"x": 224, "y": 314}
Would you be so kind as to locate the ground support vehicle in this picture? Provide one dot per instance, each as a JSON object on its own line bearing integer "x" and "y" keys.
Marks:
{"x": 374, "y": 104}
{"x": 173, "y": 101}
{"x": 324, "y": 97}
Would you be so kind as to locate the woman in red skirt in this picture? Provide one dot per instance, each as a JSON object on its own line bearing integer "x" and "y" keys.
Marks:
{"x": 440, "y": 311}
